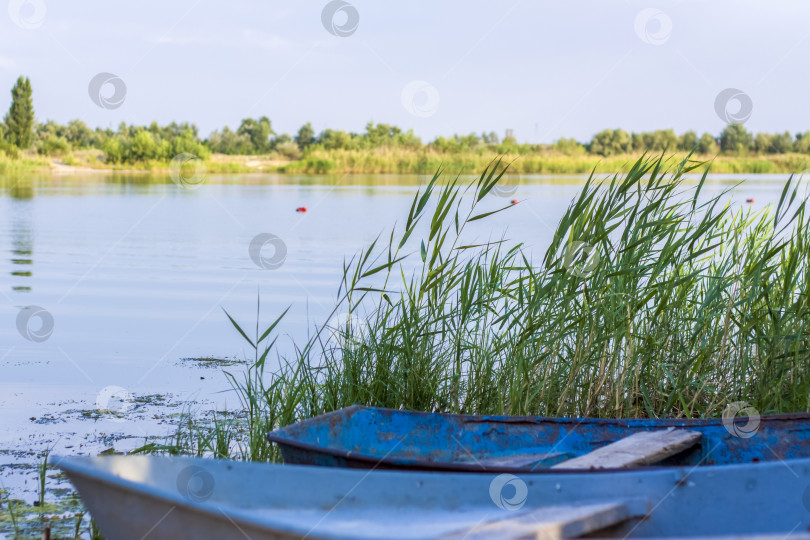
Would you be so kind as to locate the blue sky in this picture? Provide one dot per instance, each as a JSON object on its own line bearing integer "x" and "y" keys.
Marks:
{"x": 544, "y": 69}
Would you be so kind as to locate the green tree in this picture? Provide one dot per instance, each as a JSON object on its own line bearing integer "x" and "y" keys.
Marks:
{"x": 687, "y": 141}
{"x": 144, "y": 147}
{"x": 782, "y": 144}
{"x": 381, "y": 135}
{"x": 78, "y": 134}
{"x": 20, "y": 117}
{"x": 305, "y": 137}
{"x": 335, "y": 139}
{"x": 707, "y": 144}
{"x": 664, "y": 140}
{"x": 229, "y": 142}
{"x": 802, "y": 143}
{"x": 282, "y": 138}
{"x": 407, "y": 139}
{"x": 637, "y": 143}
{"x": 114, "y": 150}
{"x": 609, "y": 142}
{"x": 569, "y": 147}
{"x": 763, "y": 143}
{"x": 735, "y": 139}
{"x": 258, "y": 131}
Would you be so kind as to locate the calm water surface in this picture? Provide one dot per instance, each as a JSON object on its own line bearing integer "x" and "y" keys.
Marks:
{"x": 135, "y": 273}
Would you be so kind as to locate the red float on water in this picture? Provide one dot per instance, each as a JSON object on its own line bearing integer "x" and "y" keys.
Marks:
{"x": 514, "y": 201}
{"x": 301, "y": 209}
{"x": 749, "y": 200}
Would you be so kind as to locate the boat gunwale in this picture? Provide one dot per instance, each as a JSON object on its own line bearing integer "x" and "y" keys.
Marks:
{"x": 234, "y": 513}
{"x": 276, "y": 436}
{"x": 86, "y": 467}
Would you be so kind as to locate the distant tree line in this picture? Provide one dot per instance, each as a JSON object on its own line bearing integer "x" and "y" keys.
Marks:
{"x": 255, "y": 136}
{"x": 734, "y": 139}
{"x": 131, "y": 144}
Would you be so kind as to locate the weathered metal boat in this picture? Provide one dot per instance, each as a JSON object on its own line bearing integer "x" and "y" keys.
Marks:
{"x": 132, "y": 498}
{"x": 367, "y": 437}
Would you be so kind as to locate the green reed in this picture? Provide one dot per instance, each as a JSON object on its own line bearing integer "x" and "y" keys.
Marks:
{"x": 650, "y": 301}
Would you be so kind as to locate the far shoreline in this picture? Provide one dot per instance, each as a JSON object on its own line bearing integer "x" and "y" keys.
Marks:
{"x": 396, "y": 161}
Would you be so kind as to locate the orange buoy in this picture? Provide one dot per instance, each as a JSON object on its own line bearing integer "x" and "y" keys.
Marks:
{"x": 514, "y": 201}
{"x": 749, "y": 201}
{"x": 301, "y": 209}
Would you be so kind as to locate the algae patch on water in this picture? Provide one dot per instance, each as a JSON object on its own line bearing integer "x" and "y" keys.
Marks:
{"x": 212, "y": 362}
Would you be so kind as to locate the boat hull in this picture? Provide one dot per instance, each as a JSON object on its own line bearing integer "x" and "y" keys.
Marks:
{"x": 166, "y": 498}
{"x": 366, "y": 437}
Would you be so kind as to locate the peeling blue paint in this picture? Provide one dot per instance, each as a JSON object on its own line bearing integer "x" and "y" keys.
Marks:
{"x": 369, "y": 437}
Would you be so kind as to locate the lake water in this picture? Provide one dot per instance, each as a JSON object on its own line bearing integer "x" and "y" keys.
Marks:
{"x": 134, "y": 275}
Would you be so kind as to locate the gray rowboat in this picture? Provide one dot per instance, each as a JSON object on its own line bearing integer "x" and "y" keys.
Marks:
{"x": 147, "y": 497}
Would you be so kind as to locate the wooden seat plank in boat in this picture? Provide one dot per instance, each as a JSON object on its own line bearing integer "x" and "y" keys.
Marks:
{"x": 550, "y": 522}
{"x": 639, "y": 449}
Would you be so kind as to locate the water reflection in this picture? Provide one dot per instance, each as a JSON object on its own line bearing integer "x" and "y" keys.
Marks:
{"x": 88, "y": 184}
{"x": 21, "y": 231}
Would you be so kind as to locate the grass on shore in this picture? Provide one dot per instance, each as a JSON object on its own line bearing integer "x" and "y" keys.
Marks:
{"x": 404, "y": 161}
{"x": 400, "y": 161}
{"x": 651, "y": 301}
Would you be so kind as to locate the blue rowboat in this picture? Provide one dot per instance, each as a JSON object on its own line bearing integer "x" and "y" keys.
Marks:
{"x": 137, "y": 497}
{"x": 366, "y": 437}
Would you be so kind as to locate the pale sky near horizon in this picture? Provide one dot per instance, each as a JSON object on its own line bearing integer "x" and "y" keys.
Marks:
{"x": 543, "y": 69}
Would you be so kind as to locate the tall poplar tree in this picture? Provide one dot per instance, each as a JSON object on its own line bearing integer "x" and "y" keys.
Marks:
{"x": 20, "y": 117}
